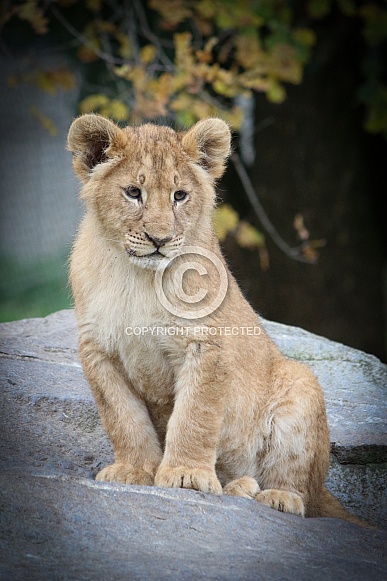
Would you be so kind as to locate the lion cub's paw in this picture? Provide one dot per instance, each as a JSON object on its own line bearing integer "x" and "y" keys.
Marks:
{"x": 282, "y": 500}
{"x": 125, "y": 473}
{"x": 182, "y": 477}
{"x": 247, "y": 487}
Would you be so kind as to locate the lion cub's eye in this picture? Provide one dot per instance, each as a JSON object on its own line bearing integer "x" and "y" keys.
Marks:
{"x": 180, "y": 195}
{"x": 132, "y": 192}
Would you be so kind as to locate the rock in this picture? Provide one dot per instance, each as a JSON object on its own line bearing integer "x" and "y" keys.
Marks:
{"x": 60, "y": 528}
{"x": 355, "y": 386}
{"x": 56, "y": 522}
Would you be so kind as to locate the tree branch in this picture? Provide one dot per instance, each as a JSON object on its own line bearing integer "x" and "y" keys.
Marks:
{"x": 149, "y": 35}
{"x": 292, "y": 252}
{"x": 83, "y": 40}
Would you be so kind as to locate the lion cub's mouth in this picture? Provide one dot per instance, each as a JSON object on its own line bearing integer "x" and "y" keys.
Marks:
{"x": 140, "y": 250}
{"x": 151, "y": 260}
{"x": 153, "y": 254}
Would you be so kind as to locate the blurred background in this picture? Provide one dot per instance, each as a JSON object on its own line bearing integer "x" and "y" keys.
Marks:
{"x": 302, "y": 208}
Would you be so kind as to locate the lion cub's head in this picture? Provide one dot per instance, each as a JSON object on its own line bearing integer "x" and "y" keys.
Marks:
{"x": 151, "y": 188}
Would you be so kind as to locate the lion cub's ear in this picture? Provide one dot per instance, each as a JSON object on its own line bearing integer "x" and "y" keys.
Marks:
{"x": 208, "y": 144}
{"x": 93, "y": 139}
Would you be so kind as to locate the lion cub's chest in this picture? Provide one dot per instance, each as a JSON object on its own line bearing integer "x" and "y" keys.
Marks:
{"x": 119, "y": 315}
{"x": 149, "y": 368}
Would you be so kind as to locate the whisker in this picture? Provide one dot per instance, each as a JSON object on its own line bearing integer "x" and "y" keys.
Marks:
{"x": 112, "y": 240}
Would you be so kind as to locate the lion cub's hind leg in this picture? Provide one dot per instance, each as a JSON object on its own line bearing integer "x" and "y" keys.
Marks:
{"x": 282, "y": 500}
{"x": 293, "y": 469}
{"x": 246, "y": 487}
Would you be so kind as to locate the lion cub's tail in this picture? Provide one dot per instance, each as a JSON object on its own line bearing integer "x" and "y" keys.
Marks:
{"x": 331, "y": 507}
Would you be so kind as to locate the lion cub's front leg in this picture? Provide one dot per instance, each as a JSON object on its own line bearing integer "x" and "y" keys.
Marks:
{"x": 137, "y": 450}
{"x": 193, "y": 429}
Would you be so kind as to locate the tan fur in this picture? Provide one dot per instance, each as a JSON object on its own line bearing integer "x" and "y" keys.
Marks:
{"x": 192, "y": 411}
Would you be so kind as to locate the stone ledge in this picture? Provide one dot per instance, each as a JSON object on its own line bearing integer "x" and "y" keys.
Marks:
{"x": 355, "y": 389}
{"x": 64, "y": 528}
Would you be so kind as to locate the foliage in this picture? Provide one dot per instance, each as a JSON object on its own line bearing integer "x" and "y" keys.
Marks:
{"x": 226, "y": 221}
{"x": 180, "y": 59}
{"x": 184, "y": 60}
{"x": 189, "y": 59}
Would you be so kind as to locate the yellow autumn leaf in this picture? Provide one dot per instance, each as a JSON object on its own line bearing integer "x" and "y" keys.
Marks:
{"x": 183, "y": 50}
{"x": 222, "y": 89}
{"x": 234, "y": 117}
{"x": 226, "y": 83}
{"x": 225, "y": 219}
{"x": 248, "y": 51}
{"x": 275, "y": 92}
{"x": 88, "y": 54}
{"x": 125, "y": 50}
{"x": 93, "y": 103}
{"x": 204, "y": 27}
{"x": 149, "y": 107}
{"x": 45, "y": 121}
{"x": 299, "y": 226}
{"x": 173, "y": 12}
{"x": 49, "y": 81}
{"x": 31, "y": 12}
{"x": 205, "y": 55}
{"x": 305, "y": 35}
{"x": 94, "y": 5}
{"x": 118, "y": 110}
{"x": 148, "y": 53}
{"x": 202, "y": 110}
{"x": 264, "y": 258}
{"x": 206, "y": 8}
{"x": 320, "y": 243}
{"x": 63, "y": 78}
{"x": 45, "y": 82}
{"x": 207, "y": 72}
{"x": 98, "y": 26}
{"x": 236, "y": 14}
{"x": 284, "y": 64}
{"x": 122, "y": 71}
{"x": 181, "y": 102}
{"x": 163, "y": 85}
{"x": 137, "y": 76}
{"x": 256, "y": 80}
{"x": 180, "y": 81}
{"x": 310, "y": 253}
{"x": 249, "y": 237}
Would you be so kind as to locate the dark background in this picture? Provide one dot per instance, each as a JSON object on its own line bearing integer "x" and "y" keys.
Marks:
{"x": 314, "y": 157}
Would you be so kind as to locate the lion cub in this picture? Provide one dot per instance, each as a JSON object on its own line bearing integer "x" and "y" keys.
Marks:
{"x": 191, "y": 390}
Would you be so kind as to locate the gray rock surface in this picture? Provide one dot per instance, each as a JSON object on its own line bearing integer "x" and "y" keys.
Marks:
{"x": 57, "y": 523}
{"x": 355, "y": 387}
{"x": 58, "y": 528}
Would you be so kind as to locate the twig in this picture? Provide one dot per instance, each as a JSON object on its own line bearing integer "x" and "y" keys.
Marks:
{"x": 83, "y": 40}
{"x": 293, "y": 252}
{"x": 147, "y": 33}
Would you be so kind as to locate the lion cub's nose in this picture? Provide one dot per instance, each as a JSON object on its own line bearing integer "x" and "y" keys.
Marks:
{"x": 158, "y": 241}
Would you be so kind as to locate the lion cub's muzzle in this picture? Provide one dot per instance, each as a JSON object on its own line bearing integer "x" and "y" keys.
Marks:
{"x": 144, "y": 245}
